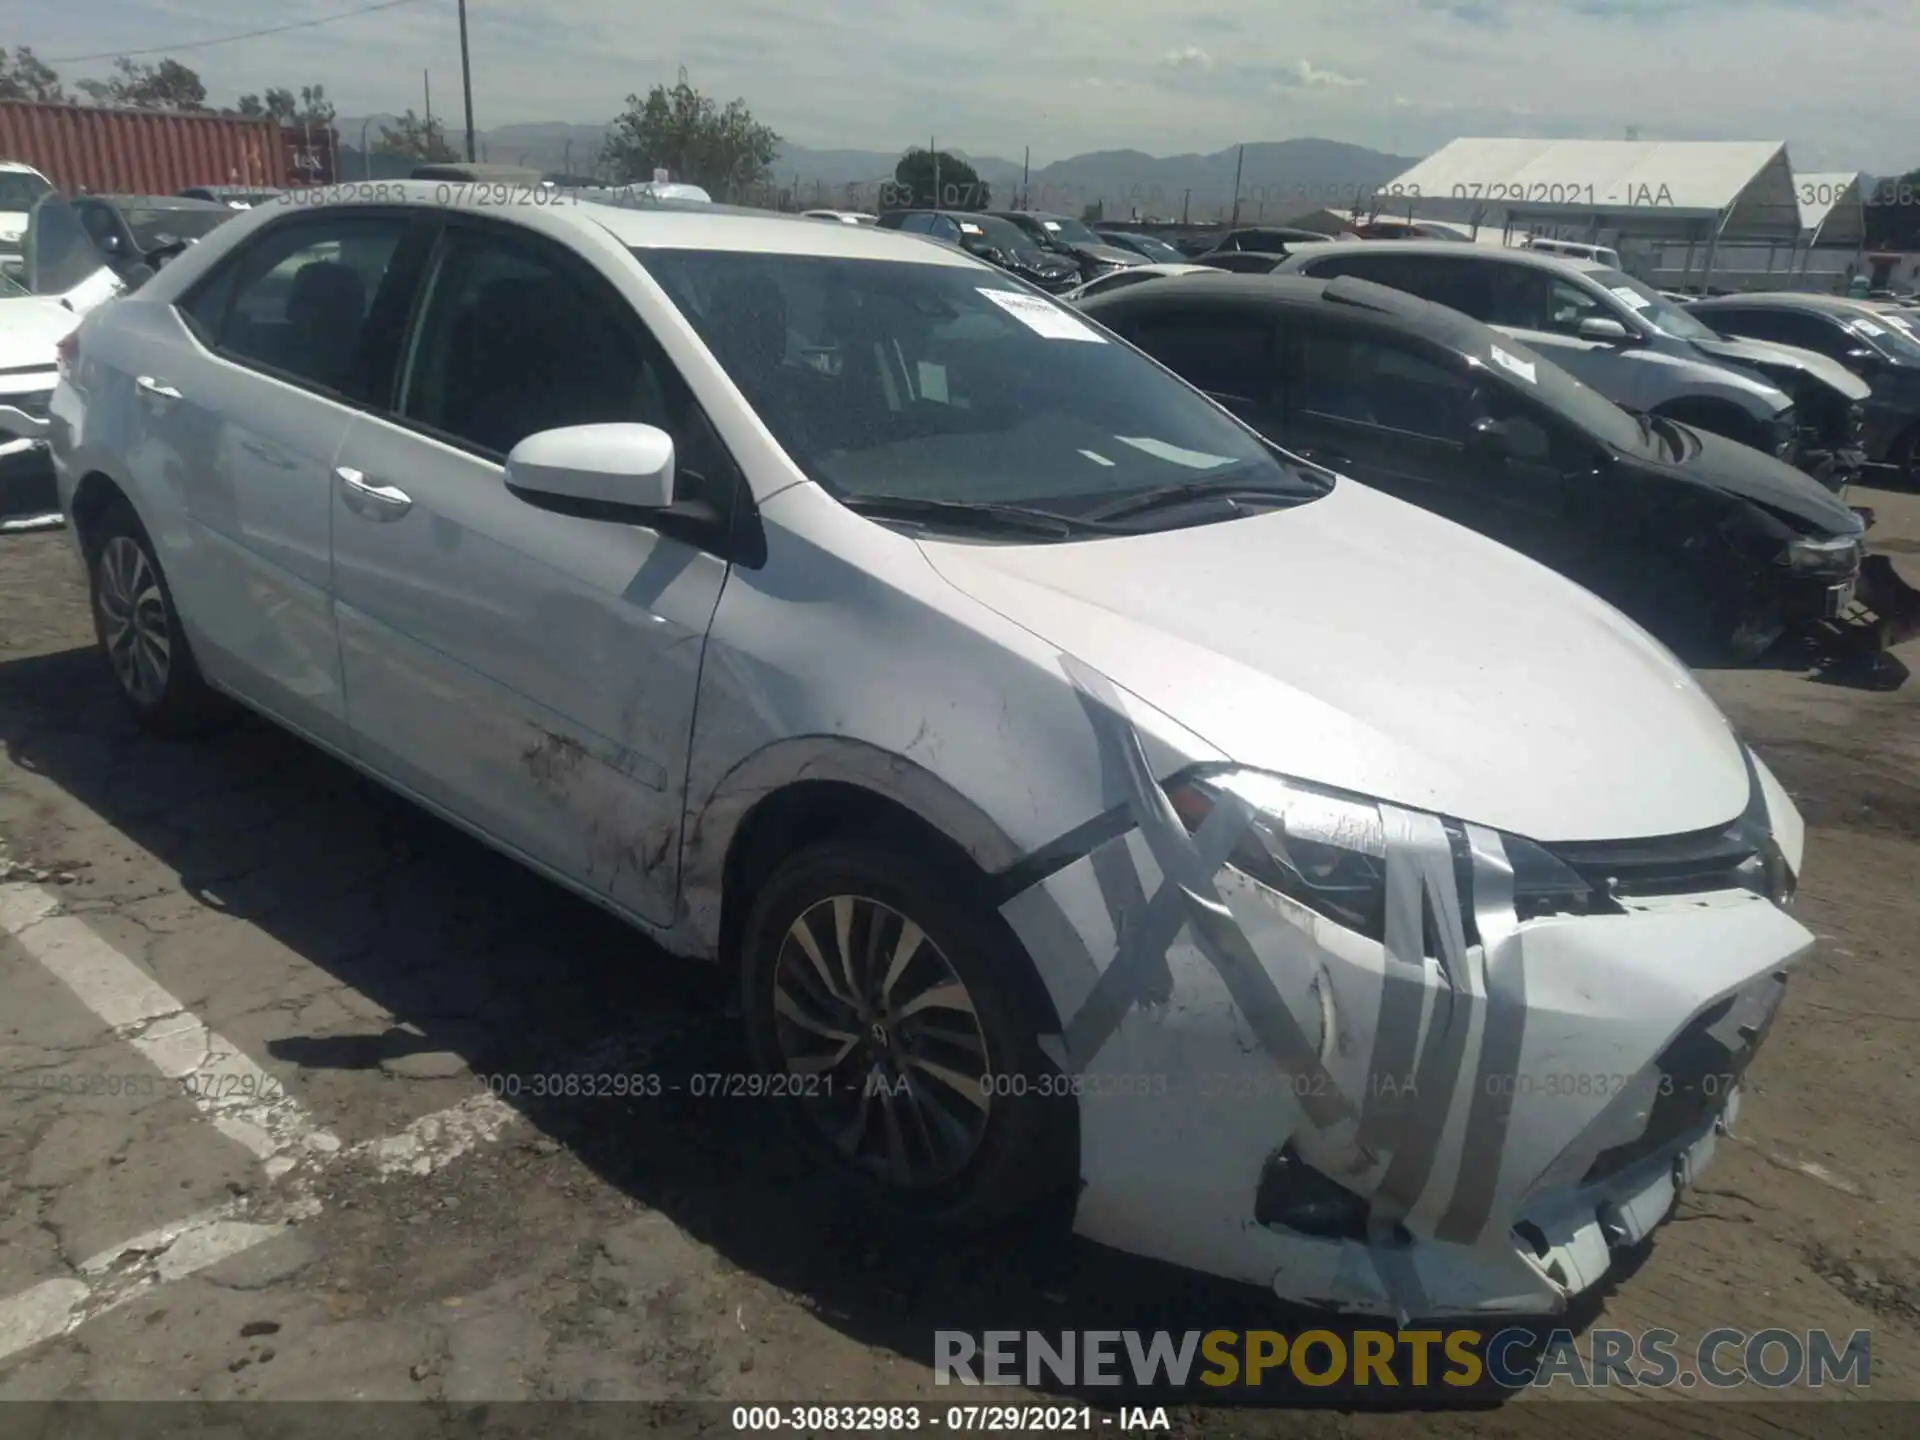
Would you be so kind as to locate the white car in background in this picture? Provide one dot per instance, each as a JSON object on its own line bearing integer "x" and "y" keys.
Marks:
{"x": 843, "y": 217}
{"x": 1090, "y": 798}
{"x": 21, "y": 187}
{"x": 62, "y": 279}
{"x": 1120, "y": 279}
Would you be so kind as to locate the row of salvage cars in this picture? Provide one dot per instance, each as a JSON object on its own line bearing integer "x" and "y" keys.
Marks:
{"x": 1690, "y": 464}
{"x": 1091, "y": 797}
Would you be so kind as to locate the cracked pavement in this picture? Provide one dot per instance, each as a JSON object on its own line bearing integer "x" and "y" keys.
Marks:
{"x": 337, "y": 1207}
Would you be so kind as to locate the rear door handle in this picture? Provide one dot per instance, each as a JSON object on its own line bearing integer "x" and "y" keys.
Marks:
{"x": 155, "y": 389}
{"x": 370, "y": 498}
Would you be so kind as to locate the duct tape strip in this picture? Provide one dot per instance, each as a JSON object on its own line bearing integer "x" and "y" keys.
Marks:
{"x": 1187, "y": 898}
{"x": 1491, "y": 1107}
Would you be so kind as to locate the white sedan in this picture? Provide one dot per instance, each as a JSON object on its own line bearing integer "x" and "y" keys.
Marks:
{"x": 1090, "y": 798}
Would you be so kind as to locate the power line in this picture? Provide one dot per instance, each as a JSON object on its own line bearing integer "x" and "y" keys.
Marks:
{"x": 229, "y": 39}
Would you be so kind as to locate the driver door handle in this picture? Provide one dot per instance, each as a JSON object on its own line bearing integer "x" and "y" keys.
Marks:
{"x": 369, "y": 498}
{"x": 155, "y": 389}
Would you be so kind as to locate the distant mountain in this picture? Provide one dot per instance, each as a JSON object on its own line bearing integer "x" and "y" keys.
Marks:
{"x": 1279, "y": 180}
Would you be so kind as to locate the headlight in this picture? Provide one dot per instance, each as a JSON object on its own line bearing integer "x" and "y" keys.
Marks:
{"x": 1821, "y": 556}
{"x": 1327, "y": 851}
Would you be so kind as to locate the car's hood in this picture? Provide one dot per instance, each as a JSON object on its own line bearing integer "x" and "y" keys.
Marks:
{"x": 1367, "y": 644}
{"x": 1105, "y": 254}
{"x": 1040, "y": 262}
{"x": 1770, "y": 359}
{"x": 1736, "y": 469}
{"x": 30, "y": 326}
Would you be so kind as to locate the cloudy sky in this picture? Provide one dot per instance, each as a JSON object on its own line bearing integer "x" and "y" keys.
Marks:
{"x": 1834, "y": 78}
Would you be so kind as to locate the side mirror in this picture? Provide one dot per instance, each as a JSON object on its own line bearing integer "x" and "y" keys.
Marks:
{"x": 1599, "y": 328}
{"x": 596, "y": 471}
{"x": 111, "y": 245}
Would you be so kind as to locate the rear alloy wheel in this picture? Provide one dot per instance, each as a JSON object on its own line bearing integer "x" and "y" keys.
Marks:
{"x": 135, "y": 621}
{"x": 893, "y": 1016}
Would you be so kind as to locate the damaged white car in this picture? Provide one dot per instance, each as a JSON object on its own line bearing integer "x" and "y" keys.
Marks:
{"x": 1091, "y": 796}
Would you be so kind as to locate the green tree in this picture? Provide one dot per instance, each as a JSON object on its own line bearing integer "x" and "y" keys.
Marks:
{"x": 936, "y": 180}
{"x": 424, "y": 140}
{"x": 309, "y": 108}
{"x": 722, "y": 149}
{"x": 25, "y": 76}
{"x": 168, "y": 85}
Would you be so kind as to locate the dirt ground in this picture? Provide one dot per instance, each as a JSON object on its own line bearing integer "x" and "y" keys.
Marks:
{"x": 367, "y": 1221}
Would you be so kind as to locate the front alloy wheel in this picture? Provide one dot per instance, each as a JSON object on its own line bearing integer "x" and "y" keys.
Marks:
{"x": 865, "y": 1002}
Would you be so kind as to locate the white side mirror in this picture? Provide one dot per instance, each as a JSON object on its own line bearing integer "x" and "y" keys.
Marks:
{"x": 629, "y": 466}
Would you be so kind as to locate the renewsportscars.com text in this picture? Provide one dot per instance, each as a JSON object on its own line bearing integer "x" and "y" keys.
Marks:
{"x": 1452, "y": 1358}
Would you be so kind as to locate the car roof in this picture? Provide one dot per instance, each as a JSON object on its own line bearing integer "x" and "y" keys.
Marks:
{"x": 1787, "y": 300}
{"x": 158, "y": 202}
{"x": 640, "y": 221}
{"x": 1346, "y": 295}
{"x": 1512, "y": 255}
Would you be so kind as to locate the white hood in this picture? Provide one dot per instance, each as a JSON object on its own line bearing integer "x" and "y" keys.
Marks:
{"x": 30, "y": 326}
{"x": 1367, "y": 644}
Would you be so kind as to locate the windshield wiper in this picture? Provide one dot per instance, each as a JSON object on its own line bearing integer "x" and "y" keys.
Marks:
{"x": 1220, "y": 487}
{"x": 967, "y": 514}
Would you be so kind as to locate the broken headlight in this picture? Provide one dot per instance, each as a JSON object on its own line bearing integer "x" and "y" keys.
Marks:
{"x": 1327, "y": 850}
{"x": 1822, "y": 555}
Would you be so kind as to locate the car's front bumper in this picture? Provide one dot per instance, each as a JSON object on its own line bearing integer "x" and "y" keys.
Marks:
{"x": 28, "y": 494}
{"x": 1510, "y": 1120}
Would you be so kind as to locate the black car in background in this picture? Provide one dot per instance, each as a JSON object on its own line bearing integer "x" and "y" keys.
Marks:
{"x": 993, "y": 240}
{"x": 1091, "y": 251}
{"x": 1876, "y": 340}
{"x": 239, "y": 197}
{"x": 135, "y": 235}
{"x": 1712, "y": 545}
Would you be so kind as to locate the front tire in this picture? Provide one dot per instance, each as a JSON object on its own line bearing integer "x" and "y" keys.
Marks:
{"x": 138, "y": 629}
{"x": 887, "y": 1004}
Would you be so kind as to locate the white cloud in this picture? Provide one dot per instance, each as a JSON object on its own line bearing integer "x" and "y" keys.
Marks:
{"x": 1305, "y": 75}
{"x": 1189, "y": 57}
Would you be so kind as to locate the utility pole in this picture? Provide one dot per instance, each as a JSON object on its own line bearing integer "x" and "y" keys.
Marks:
{"x": 426, "y": 86}
{"x": 466, "y": 79}
{"x": 1026, "y": 171}
{"x": 933, "y": 145}
{"x": 1239, "y": 160}
{"x": 1185, "y": 200}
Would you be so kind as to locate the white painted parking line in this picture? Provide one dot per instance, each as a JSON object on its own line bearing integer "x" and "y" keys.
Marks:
{"x": 244, "y": 1102}
{"x": 239, "y": 1098}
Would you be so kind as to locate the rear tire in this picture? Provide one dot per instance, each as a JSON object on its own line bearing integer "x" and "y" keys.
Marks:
{"x": 884, "y": 1001}
{"x": 138, "y": 629}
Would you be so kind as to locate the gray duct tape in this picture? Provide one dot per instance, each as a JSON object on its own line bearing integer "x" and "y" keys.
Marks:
{"x": 1420, "y": 881}
{"x": 1187, "y": 898}
{"x": 1420, "y": 858}
{"x": 1491, "y": 1106}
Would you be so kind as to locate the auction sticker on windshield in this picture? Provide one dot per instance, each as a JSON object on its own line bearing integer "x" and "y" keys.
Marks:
{"x": 1042, "y": 317}
{"x": 1630, "y": 297}
{"x": 1514, "y": 365}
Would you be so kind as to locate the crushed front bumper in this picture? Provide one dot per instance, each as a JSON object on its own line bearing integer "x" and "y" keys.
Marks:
{"x": 1505, "y": 1123}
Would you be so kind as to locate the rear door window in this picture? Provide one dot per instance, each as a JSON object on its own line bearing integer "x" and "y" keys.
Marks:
{"x": 1348, "y": 374}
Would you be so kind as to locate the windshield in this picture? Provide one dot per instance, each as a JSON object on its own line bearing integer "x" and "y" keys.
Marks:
{"x": 1541, "y": 380}
{"x": 1889, "y": 331}
{"x": 1156, "y": 249}
{"x": 1653, "y": 307}
{"x": 154, "y": 226}
{"x": 978, "y": 230}
{"x": 951, "y": 383}
{"x": 1071, "y": 232}
{"x": 19, "y": 190}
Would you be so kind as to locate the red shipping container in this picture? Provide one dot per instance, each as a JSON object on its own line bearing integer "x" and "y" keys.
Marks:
{"x": 151, "y": 152}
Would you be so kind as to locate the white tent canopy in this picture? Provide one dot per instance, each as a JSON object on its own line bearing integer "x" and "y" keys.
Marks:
{"x": 1832, "y": 208}
{"x": 1709, "y": 190}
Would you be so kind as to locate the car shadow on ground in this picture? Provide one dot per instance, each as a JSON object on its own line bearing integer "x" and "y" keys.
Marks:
{"x": 476, "y": 955}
